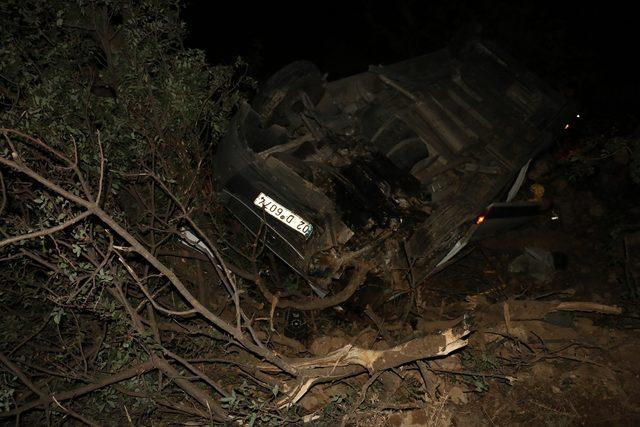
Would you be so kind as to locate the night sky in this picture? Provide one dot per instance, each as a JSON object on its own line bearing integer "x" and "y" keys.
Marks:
{"x": 588, "y": 50}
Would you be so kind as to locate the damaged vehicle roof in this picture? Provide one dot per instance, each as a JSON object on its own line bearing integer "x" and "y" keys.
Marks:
{"x": 400, "y": 165}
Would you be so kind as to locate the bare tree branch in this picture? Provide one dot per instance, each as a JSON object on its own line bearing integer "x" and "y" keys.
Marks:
{"x": 46, "y": 231}
{"x": 3, "y": 193}
{"x": 136, "y": 246}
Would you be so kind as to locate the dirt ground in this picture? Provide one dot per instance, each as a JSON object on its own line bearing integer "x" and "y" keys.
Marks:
{"x": 527, "y": 363}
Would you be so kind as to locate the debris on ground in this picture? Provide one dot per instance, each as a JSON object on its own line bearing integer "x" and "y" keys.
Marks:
{"x": 535, "y": 263}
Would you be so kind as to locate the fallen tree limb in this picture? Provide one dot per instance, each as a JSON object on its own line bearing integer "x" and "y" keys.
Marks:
{"x": 351, "y": 360}
{"x": 161, "y": 363}
{"x": 47, "y": 231}
{"x": 378, "y": 360}
{"x": 76, "y": 415}
{"x": 13, "y": 368}
{"x": 93, "y": 208}
{"x": 71, "y": 394}
{"x": 529, "y": 310}
{"x": 357, "y": 278}
{"x": 588, "y": 307}
{"x": 295, "y": 345}
{"x": 191, "y": 389}
{"x": 196, "y": 372}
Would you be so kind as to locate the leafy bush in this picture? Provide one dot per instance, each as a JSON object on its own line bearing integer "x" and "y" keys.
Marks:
{"x": 100, "y": 80}
{"x": 71, "y": 68}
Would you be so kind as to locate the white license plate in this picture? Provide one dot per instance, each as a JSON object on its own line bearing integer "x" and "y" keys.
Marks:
{"x": 283, "y": 214}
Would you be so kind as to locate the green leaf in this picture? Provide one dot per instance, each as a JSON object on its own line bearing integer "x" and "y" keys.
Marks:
{"x": 77, "y": 249}
{"x": 57, "y": 314}
{"x": 252, "y": 419}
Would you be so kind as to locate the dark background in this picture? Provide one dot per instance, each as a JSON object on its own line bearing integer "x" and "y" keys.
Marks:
{"x": 588, "y": 51}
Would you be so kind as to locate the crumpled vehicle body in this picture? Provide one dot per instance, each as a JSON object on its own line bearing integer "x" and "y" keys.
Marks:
{"x": 402, "y": 164}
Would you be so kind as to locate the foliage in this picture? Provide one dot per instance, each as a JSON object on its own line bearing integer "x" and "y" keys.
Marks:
{"x": 95, "y": 80}
{"x": 7, "y": 390}
{"x": 71, "y": 68}
{"x": 257, "y": 409}
{"x": 75, "y": 71}
{"x": 480, "y": 362}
